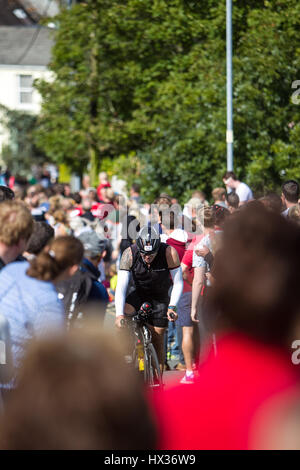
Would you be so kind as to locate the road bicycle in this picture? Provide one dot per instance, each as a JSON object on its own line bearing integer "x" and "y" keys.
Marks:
{"x": 144, "y": 356}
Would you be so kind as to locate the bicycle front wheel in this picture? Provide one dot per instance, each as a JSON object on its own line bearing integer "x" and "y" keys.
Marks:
{"x": 153, "y": 376}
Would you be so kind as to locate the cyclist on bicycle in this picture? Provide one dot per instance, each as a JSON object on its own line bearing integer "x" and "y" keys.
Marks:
{"x": 146, "y": 272}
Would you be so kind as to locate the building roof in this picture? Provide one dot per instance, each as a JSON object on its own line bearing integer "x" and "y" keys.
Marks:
{"x": 40, "y": 8}
{"x": 26, "y": 12}
{"x": 25, "y": 45}
{"x": 13, "y": 13}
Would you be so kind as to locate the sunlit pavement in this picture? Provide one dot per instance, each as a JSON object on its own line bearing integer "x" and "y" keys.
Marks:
{"x": 172, "y": 377}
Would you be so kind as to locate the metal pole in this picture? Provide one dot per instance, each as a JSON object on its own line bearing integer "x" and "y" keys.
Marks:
{"x": 229, "y": 133}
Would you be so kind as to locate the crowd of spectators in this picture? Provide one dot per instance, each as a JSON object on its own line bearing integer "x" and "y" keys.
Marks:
{"x": 59, "y": 257}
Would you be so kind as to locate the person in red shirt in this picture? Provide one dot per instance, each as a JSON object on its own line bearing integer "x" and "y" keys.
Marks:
{"x": 190, "y": 332}
{"x": 103, "y": 184}
{"x": 257, "y": 300}
{"x": 103, "y": 208}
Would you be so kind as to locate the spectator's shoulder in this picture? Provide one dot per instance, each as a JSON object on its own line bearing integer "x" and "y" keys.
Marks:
{"x": 17, "y": 268}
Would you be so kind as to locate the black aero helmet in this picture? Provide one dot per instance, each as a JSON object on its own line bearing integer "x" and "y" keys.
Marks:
{"x": 148, "y": 240}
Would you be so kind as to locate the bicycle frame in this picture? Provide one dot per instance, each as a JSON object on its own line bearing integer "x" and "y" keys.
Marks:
{"x": 147, "y": 362}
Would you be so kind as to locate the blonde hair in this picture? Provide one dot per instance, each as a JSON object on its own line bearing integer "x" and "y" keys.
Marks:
{"x": 163, "y": 199}
{"x": 55, "y": 204}
{"x": 109, "y": 193}
{"x": 113, "y": 270}
{"x": 16, "y": 222}
{"x": 60, "y": 254}
{"x": 60, "y": 216}
{"x": 103, "y": 176}
{"x": 218, "y": 194}
{"x": 67, "y": 203}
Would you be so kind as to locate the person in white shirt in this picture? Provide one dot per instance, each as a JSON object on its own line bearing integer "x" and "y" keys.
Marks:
{"x": 241, "y": 189}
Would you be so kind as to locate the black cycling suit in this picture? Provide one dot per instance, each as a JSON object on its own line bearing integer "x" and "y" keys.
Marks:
{"x": 150, "y": 284}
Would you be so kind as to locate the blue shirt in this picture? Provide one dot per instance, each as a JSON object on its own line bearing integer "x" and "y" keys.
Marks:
{"x": 98, "y": 291}
{"x": 31, "y": 307}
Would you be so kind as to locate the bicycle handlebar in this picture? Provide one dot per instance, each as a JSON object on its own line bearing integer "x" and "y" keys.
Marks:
{"x": 137, "y": 317}
{"x": 142, "y": 315}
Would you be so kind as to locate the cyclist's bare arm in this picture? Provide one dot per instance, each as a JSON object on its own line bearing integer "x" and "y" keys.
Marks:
{"x": 176, "y": 273}
{"x": 172, "y": 258}
{"x": 122, "y": 284}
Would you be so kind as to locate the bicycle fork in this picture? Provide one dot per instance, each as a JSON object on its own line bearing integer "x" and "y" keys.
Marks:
{"x": 140, "y": 354}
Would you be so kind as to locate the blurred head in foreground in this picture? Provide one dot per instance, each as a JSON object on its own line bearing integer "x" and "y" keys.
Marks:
{"x": 77, "y": 392}
{"x": 256, "y": 273}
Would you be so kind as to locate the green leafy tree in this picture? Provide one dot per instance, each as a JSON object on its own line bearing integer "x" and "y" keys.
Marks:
{"x": 267, "y": 63}
{"x": 134, "y": 77}
{"x": 20, "y": 153}
{"x": 190, "y": 149}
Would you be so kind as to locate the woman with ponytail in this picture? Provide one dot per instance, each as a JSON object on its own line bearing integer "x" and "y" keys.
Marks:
{"x": 58, "y": 261}
{"x": 28, "y": 298}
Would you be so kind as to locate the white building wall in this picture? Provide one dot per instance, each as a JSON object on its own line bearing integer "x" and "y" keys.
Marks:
{"x": 10, "y": 91}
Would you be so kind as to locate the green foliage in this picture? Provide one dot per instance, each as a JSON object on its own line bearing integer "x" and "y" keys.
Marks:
{"x": 266, "y": 66}
{"x": 126, "y": 167}
{"x": 20, "y": 153}
{"x": 147, "y": 79}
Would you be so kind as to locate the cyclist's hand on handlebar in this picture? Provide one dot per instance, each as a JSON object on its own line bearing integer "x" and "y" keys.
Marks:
{"x": 172, "y": 315}
{"x": 120, "y": 321}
